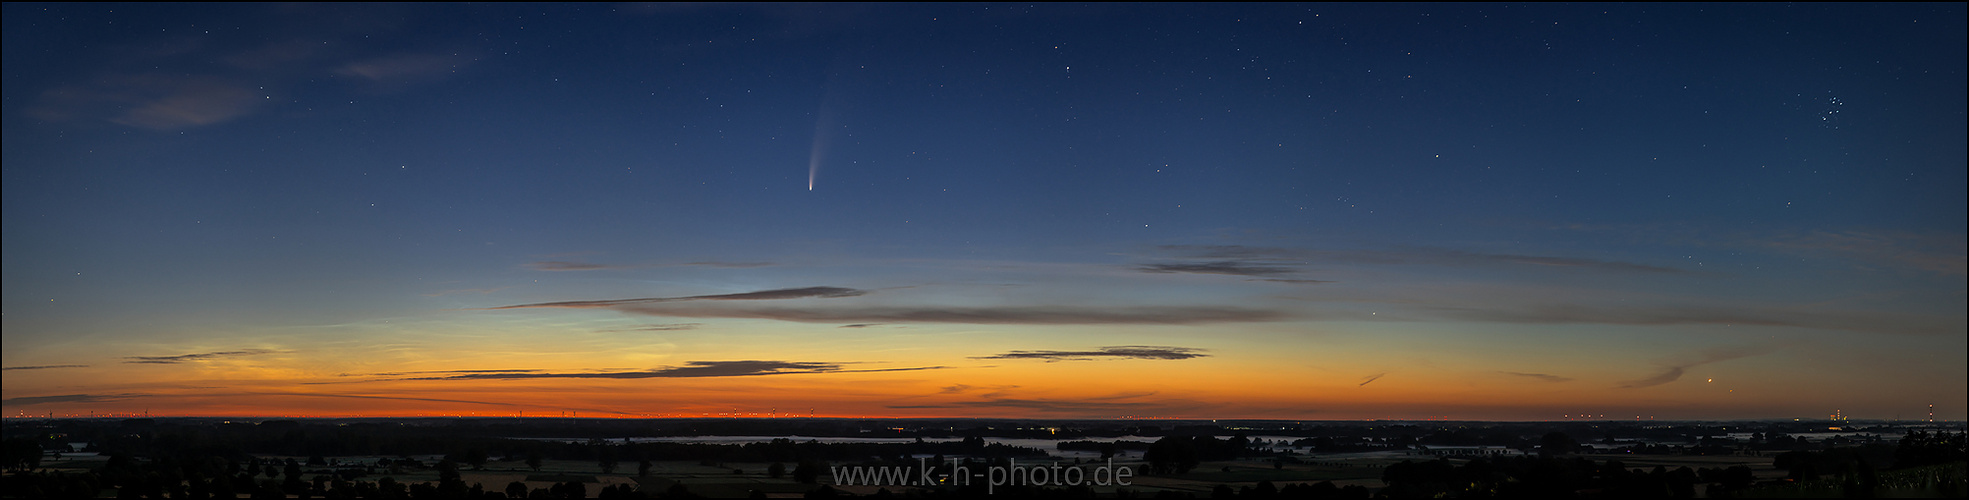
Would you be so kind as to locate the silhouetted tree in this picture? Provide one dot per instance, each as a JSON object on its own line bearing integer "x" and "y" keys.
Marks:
{"x": 806, "y": 472}
{"x": 22, "y": 454}
{"x": 1172, "y": 455}
{"x": 1921, "y": 448}
{"x": 1556, "y": 443}
{"x": 677, "y": 490}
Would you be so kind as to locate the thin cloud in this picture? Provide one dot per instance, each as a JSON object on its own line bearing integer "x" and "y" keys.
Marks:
{"x": 1225, "y": 267}
{"x": 431, "y": 400}
{"x": 569, "y": 265}
{"x": 1673, "y": 372}
{"x": 564, "y": 265}
{"x": 427, "y": 372}
{"x": 41, "y": 367}
{"x": 1111, "y": 352}
{"x": 974, "y": 315}
{"x": 1231, "y": 252}
{"x": 1293, "y": 281}
{"x": 657, "y": 328}
{"x": 1668, "y": 374}
{"x": 1129, "y": 403}
{"x": 730, "y": 265}
{"x": 1906, "y": 324}
{"x": 1405, "y": 256}
{"x": 1540, "y": 376}
{"x": 692, "y": 369}
{"x": 859, "y": 325}
{"x": 1540, "y": 260}
{"x": 1938, "y": 253}
{"x": 1376, "y": 376}
{"x": 406, "y": 67}
{"x": 153, "y": 101}
{"x": 992, "y": 391}
{"x": 181, "y": 358}
{"x": 67, "y": 398}
{"x": 390, "y": 398}
{"x": 480, "y": 291}
{"x": 820, "y": 292}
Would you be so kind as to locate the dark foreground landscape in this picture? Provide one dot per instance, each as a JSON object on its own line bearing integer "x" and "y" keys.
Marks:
{"x": 809, "y": 458}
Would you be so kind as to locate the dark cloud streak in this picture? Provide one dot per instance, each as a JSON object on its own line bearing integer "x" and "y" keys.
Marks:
{"x": 562, "y": 265}
{"x": 1111, "y": 352}
{"x": 691, "y": 369}
{"x": 821, "y": 292}
{"x": 657, "y": 328}
{"x": 1411, "y": 256}
{"x": 67, "y": 398}
{"x": 41, "y": 367}
{"x": 1226, "y": 267}
{"x": 978, "y": 315}
{"x": 1540, "y": 376}
{"x": 168, "y": 360}
{"x": 1905, "y": 324}
{"x": 1673, "y": 372}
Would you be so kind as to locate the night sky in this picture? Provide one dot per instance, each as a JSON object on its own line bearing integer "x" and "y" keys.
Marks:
{"x": 1497, "y": 212}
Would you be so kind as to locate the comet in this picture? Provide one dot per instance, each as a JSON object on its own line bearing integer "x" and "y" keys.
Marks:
{"x": 813, "y": 159}
{"x": 824, "y": 131}
{"x": 825, "y": 127}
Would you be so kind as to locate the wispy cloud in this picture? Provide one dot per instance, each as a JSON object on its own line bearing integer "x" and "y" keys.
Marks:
{"x": 1137, "y": 403}
{"x": 1539, "y": 376}
{"x": 1373, "y": 378}
{"x": 988, "y": 391}
{"x": 181, "y": 358}
{"x": 67, "y": 398}
{"x": 364, "y": 396}
{"x": 1910, "y": 324}
{"x": 1673, "y": 371}
{"x": 729, "y": 265}
{"x": 976, "y": 315}
{"x": 416, "y": 399}
{"x": 41, "y": 367}
{"x": 406, "y": 67}
{"x": 692, "y": 369}
{"x": 859, "y": 325}
{"x": 152, "y": 101}
{"x": 1938, "y": 253}
{"x": 1293, "y": 281}
{"x": 657, "y": 328}
{"x": 821, "y": 292}
{"x": 1225, "y": 267}
{"x": 480, "y": 291}
{"x": 427, "y": 372}
{"x": 1111, "y": 352}
{"x": 1403, "y": 256}
{"x": 564, "y": 265}
{"x": 1238, "y": 252}
{"x": 571, "y": 265}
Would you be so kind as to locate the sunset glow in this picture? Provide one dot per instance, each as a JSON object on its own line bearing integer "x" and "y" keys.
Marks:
{"x": 1313, "y": 212}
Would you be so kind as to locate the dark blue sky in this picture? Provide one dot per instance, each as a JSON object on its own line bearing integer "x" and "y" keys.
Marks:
{"x": 184, "y": 178}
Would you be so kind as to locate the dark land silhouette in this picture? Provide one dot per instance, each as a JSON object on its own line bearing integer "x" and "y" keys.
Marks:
{"x": 609, "y": 458}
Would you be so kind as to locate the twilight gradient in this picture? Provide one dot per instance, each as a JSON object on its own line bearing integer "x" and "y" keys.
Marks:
{"x": 1202, "y": 211}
